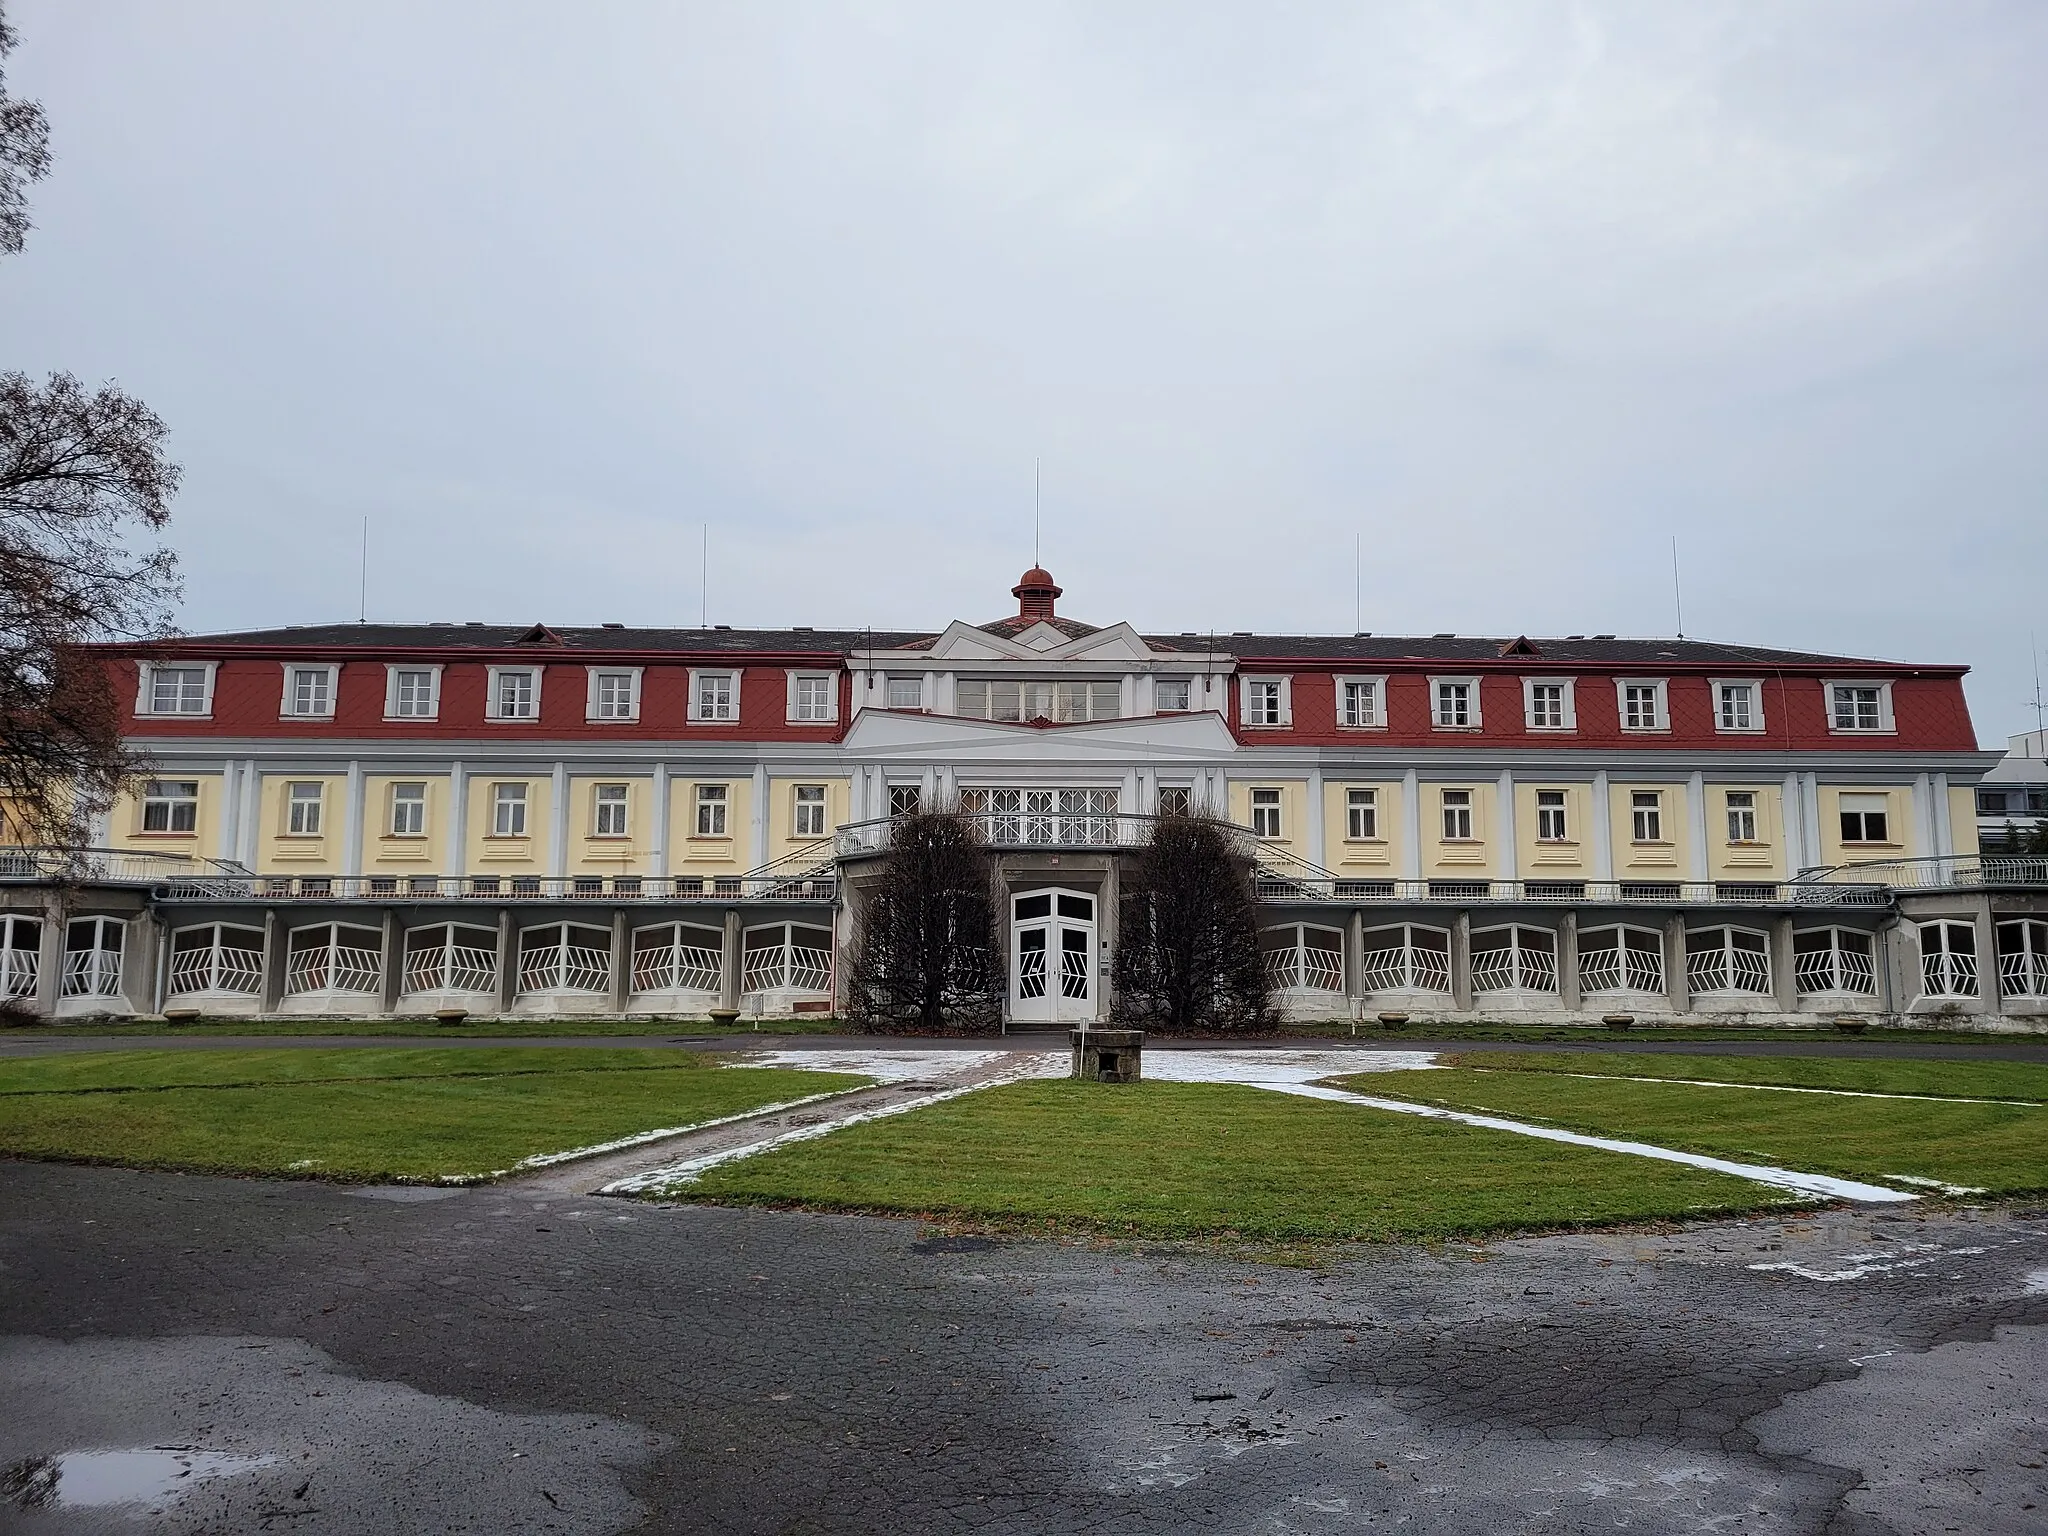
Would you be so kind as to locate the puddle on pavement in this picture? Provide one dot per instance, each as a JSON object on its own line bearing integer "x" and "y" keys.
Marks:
{"x": 153, "y": 1476}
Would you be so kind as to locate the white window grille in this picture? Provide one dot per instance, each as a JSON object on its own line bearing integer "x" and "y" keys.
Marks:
{"x": 186, "y": 690}
{"x": 1175, "y": 800}
{"x": 1646, "y": 815}
{"x": 813, "y": 697}
{"x": 412, "y": 693}
{"x": 1361, "y": 815}
{"x": 1735, "y": 707}
{"x": 451, "y": 957}
{"x": 515, "y": 693}
{"x": 809, "y": 820}
{"x": 1409, "y": 957}
{"x": 715, "y": 697}
{"x": 2023, "y": 957}
{"x": 905, "y": 693}
{"x": 170, "y": 805}
{"x": 1265, "y": 812}
{"x": 1860, "y": 706}
{"x": 1265, "y": 701}
{"x": 678, "y": 957}
{"x": 1171, "y": 695}
{"x": 615, "y": 694}
{"x": 1457, "y": 809}
{"x": 1621, "y": 959}
{"x": 1550, "y": 816}
{"x": 712, "y": 802}
{"x": 334, "y": 957}
{"x": 565, "y": 957}
{"x": 1834, "y": 960}
{"x": 608, "y": 806}
{"x": 1742, "y": 816}
{"x": 1948, "y": 959}
{"x": 1642, "y": 706}
{"x": 1358, "y": 702}
{"x": 1302, "y": 957}
{"x": 309, "y": 691}
{"x": 302, "y": 809}
{"x": 905, "y": 799}
{"x": 1514, "y": 959}
{"x": 1730, "y": 960}
{"x": 92, "y": 957}
{"x": 1456, "y": 703}
{"x": 408, "y": 810}
{"x": 216, "y": 957}
{"x": 508, "y": 810}
{"x": 1865, "y": 818}
{"x": 1040, "y": 817}
{"x": 786, "y": 957}
{"x": 21, "y": 946}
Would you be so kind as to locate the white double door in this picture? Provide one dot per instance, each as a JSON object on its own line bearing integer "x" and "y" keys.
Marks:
{"x": 1052, "y": 945}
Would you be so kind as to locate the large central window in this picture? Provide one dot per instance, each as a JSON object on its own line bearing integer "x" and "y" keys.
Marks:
{"x": 1006, "y": 699}
{"x": 1025, "y": 816}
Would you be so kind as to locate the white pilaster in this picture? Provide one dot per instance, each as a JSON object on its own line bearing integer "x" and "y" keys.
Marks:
{"x": 455, "y": 858}
{"x": 657, "y": 822}
{"x": 1944, "y": 826}
{"x": 1504, "y": 816}
{"x": 230, "y": 810}
{"x": 1794, "y": 812}
{"x": 1809, "y": 795}
{"x": 1312, "y": 821}
{"x": 1603, "y": 829}
{"x": 1411, "y": 825}
{"x": 352, "y": 820}
{"x": 252, "y": 811}
{"x": 1923, "y": 814}
{"x": 558, "y": 823}
{"x": 757, "y": 818}
{"x": 1696, "y": 820}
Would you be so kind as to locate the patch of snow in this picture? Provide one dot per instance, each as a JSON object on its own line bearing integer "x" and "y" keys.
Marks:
{"x": 880, "y": 1063}
{"x": 1946, "y": 1189}
{"x": 2036, "y": 1283}
{"x": 1272, "y": 1069}
{"x": 1856, "y": 1266}
{"x": 1839, "y": 1093}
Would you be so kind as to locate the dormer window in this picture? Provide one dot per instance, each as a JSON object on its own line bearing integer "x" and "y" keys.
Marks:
{"x": 614, "y": 693}
{"x": 515, "y": 693}
{"x": 1643, "y": 705}
{"x": 905, "y": 693}
{"x": 1456, "y": 703}
{"x": 309, "y": 692}
{"x": 1171, "y": 695}
{"x": 715, "y": 697}
{"x": 1359, "y": 702}
{"x": 180, "y": 690}
{"x": 1265, "y": 701}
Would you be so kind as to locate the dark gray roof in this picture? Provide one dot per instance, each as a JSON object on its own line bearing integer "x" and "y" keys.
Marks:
{"x": 574, "y": 637}
{"x": 1598, "y": 649}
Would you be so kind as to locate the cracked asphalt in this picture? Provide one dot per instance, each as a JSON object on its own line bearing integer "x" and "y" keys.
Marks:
{"x": 506, "y": 1361}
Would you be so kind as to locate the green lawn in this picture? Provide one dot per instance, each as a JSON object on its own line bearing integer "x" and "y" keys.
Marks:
{"x": 2022, "y": 1080}
{"x": 368, "y": 1114}
{"x": 1997, "y": 1147}
{"x": 1179, "y": 1160}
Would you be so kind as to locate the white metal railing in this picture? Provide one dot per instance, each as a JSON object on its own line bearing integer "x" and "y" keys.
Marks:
{"x": 1937, "y": 871}
{"x": 1944, "y": 973}
{"x": 333, "y": 968}
{"x": 109, "y": 865}
{"x": 1514, "y": 968}
{"x": 19, "y": 969}
{"x": 217, "y": 968}
{"x": 1728, "y": 970}
{"x": 91, "y": 973}
{"x": 1404, "y": 970}
{"x": 1834, "y": 970}
{"x": 1312, "y": 970}
{"x": 677, "y": 968}
{"x": 787, "y": 968}
{"x": 2023, "y": 975}
{"x": 776, "y": 882}
{"x": 452, "y": 968}
{"x": 565, "y": 968}
{"x": 1621, "y": 968}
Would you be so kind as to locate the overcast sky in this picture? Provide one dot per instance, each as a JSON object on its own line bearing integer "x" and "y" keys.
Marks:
{"x": 1511, "y": 293}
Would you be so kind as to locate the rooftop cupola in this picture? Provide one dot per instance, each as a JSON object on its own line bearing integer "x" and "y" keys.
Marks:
{"x": 1035, "y": 594}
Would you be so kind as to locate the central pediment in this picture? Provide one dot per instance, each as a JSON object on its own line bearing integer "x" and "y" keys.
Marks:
{"x": 964, "y": 644}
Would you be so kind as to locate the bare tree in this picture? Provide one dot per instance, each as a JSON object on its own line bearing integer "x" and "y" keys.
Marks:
{"x": 84, "y": 482}
{"x": 1187, "y": 959}
{"x": 925, "y": 955}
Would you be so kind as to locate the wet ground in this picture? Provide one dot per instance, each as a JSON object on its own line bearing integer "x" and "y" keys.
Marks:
{"x": 491, "y": 1360}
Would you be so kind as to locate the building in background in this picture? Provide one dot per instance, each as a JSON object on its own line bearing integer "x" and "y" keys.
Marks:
{"x": 366, "y": 820}
{"x": 2013, "y": 797}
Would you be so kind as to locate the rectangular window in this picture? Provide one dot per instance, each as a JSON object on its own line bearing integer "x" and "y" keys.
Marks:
{"x": 1457, "y": 815}
{"x": 810, "y": 810}
{"x": 302, "y": 809}
{"x": 711, "y": 805}
{"x": 905, "y": 800}
{"x": 170, "y": 805}
{"x": 515, "y": 694}
{"x": 1456, "y": 705}
{"x": 615, "y": 695}
{"x": 1361, "y": 814}
{"x": 415, "y": 693}
{"x": 178, "y": 690}
{"x": 1547, "y": 707}
{"x": 715, "y": 696}
{"x": 1263, "y": 702}
{"x": 1358, "y": 702}
{"x": 1735, "y": 706}
{"x": 1991, "y": 802}
{"x": 811, "y": 696}
{"x": 608, "y": 802}
{"x": 508, "y": 810}
{"x": 1550, "y": 823}
{"x": 1865, "y": 819}
{"x": 1170, "y": 695}
{"x": 1858, "y": 707}
{"x": 906, "y": 693}
{"x": 1266, "y": 812}
{"x": 1742, "y": 816}
{"x": 1175, "y": 800}
{"x": 309, "y": 691}
{"x": 1646, "y": 810}
{"x": 408, "y": 810}
{"x": 1642, "y": 707}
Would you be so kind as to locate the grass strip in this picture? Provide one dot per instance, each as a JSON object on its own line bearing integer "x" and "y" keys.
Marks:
{"x": 104, "y": 1071}
{"x": 424, "y": 1127}
{"x": 2026, "y": 1082}
{"x": 1190, "y": 1159}
{"x": 1995, "y": 1147}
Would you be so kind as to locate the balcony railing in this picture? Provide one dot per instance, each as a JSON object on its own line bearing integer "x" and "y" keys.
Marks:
{"x": 1935, "y": 872}
{"x": 771, "y": 883}
{"x": 110, "y": 866}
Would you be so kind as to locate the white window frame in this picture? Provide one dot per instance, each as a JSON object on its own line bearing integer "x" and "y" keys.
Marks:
{"x": 793, "y": 688}
{"x": 1756, "y": 705}
{"x": 698, "y": 677}
{"x": 288, "y": 703}
{"x": 1568, "y": 707}
{"x": 593, "y": 704}
{"x": 1283, "y": 701}
{"x": 145, "y": 695}
{"x": 297, "y": 825}
{"x": 1361, "y": 802}
{"x": 502, "y": 804}
{"x": 712, "y": 804}
{"x": 391, "y": 701}
{"x": 1635, "y": 812}
{"x": 1267, "y": 812}
{"x": 602, "y": 800}
{"x": 1730, "y": 810}
{"x": 808, "y": 797}
{"x": 1563, "y": 810}
{"x": 1194, "y": 696}
{"x": 1475, "y": 719}
{"x": 893, "y": 681}
{"x": 171, "y": 804}
{"x": 1887, "y": 723}
{"x": 1660, "y": 704}
{"x": 492, "y": 702}
{"x": 1449, "y": 814}
{"x": 394, "y": 800}
{"x": 1375, "y": 715}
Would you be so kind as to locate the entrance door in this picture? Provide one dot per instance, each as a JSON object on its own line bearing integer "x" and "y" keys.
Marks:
{"x": 1052, "y": 936}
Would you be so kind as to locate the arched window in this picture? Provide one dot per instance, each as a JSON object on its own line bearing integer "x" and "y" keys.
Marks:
{"x": 334, "y": 957}
{"x": 217, "y": 957}
{"x": 565, "y": 957}
{"x": 1516, "y": 958}
{"x": 1727, "y": 960}
{"x": 92, "y": 956}
{"x": 1408, "y": 957}
{"x": 1621, "y": 959}
{"x": 21, "y": 940}
{"x": 677, "y": 957}
{"x": 1834, "y": 960}
{"x": 2023, "y": 957}
{"x": 451, "y": 957}
{"x": 1303, "y": 957}
{"x": 1948, "y": 958}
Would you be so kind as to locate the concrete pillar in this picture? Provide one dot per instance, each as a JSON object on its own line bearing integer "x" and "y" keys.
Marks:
{"x": 1922, "y": 817}
{"x": 1354, "y": 957}
{"x": 1988, "y": 986}
{"x": 1570, "y": 995}
{"x": 391, "y": 963}
{"x": 1461, "y": 962}
{"x": 140, "y": 941}
{"x": 1674, "y": 965}
{"x": 729, "y": 962}
{"x": 276, "y": 944}
{"x": 252, "y": 812}
{"x": 50, "y": 955}
{"x": 508, "y": 961}
{"x": 229, "y": 842}
{"x": 1784, "y": 968}
{"x": 622, "y": 963}
{"x": 1944, "y": 826}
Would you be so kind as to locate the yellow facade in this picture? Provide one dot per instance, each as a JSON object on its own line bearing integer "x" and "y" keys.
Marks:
{"x": 782, "y": 836}
{"x": 124, "y": 821}
{"x": 1962, "y": 820}
{"x": 1760, "y": 858}
{"x": 1443, "y": 855}
{"x": 419, "y": 854}
{"x": 694, "y": 851}
{"x": 1293, "y": 812}
{"x": 1536, "y": 855}
{"x": 1382, "y": 852}
{"x": 1662, "y": 857}
{"x": 492, "y": 852}
{"x": 278, "y": 846}
{"x": 1901, "y": 835}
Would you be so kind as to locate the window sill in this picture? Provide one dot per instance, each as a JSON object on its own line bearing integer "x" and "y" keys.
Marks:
{"x": 1551, "y": 730}
{"x": 1738, "y": 730}
{"x": 1348, "y": 726}
{"x": 1857, "y": 730}
{"x": 1646, "y": 730}
{"x": 140, "y": 715}
{"x": 390, "y": 719}
{"x": 1846, "y": 843}
{"x": 175, "y": 837}
{"x": 1468, "y": 729}
{"x": 611, "y": 719}
{"x": 790, "y": 720}
{"x": 511, "y": 719}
